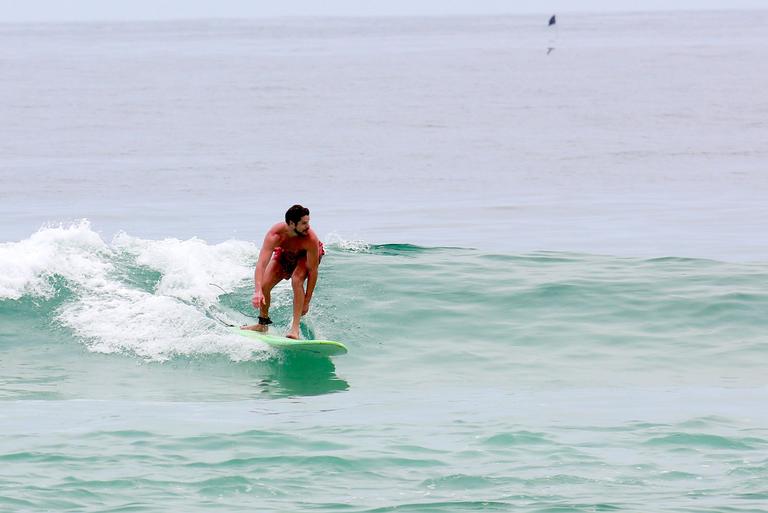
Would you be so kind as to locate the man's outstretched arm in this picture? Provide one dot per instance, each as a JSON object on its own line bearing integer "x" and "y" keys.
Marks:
{"x": 313, "y": 261}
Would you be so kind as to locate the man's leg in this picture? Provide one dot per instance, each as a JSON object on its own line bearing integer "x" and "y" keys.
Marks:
{"x": 272, "y": 276}
{"x": 298, "y": 278}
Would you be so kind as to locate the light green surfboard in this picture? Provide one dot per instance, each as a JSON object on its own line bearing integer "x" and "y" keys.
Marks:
{"x": 317, "y": 347}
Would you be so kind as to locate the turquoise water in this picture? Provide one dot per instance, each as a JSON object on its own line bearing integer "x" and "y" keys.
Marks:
{"x": 549, "y": 268}
{"x": 475, "y": 381}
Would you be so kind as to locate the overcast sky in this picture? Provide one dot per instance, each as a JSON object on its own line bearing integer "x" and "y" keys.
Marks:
{"x": 90, "y": 10}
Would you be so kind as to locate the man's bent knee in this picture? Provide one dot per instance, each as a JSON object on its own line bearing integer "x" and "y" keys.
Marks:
{"x": 298, "y": 277}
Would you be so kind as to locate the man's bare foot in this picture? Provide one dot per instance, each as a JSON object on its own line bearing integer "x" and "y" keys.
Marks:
{"x": 293, "y": 333}
{"x": 255, "y": 327}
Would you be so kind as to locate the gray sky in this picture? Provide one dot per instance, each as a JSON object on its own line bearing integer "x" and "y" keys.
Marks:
{"x": 90, "y": 10}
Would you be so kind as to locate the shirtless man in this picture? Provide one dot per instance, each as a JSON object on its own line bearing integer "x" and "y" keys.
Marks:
{"x": 291, "y": 250}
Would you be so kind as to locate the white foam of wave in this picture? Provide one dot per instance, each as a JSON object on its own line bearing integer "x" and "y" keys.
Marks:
{"x": 355, "y": 245}
{"x": 74, "y": 252}
{"x": 189, "y": 267}
{"x": 112, "y": 316}
{"x": 154, "y": 327}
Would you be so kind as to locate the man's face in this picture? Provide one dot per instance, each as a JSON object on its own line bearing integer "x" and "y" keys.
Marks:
{"x": 302, "y": 227}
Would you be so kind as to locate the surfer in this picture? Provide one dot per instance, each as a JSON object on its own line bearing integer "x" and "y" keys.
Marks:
{"x": 291, "y": 250}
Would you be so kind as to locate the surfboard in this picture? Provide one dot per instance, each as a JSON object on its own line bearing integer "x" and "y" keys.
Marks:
{"x": 317, "y": 347}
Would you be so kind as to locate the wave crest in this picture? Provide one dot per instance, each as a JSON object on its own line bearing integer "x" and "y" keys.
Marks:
{"x": 75, "y": 253}
{"x": 145, "y": 297}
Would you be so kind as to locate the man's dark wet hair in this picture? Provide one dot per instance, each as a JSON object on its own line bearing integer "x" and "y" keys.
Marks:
{"x": 295, "y": 213}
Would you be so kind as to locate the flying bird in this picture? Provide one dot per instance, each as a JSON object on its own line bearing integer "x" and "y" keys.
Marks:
{"x": 551, "y": 47}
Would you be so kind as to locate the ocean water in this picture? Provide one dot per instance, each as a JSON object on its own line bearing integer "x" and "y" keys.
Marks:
{"x": 550, "y": 270}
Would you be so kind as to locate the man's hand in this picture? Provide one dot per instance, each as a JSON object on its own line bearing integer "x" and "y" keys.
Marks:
{"x": 258, "y": 299}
